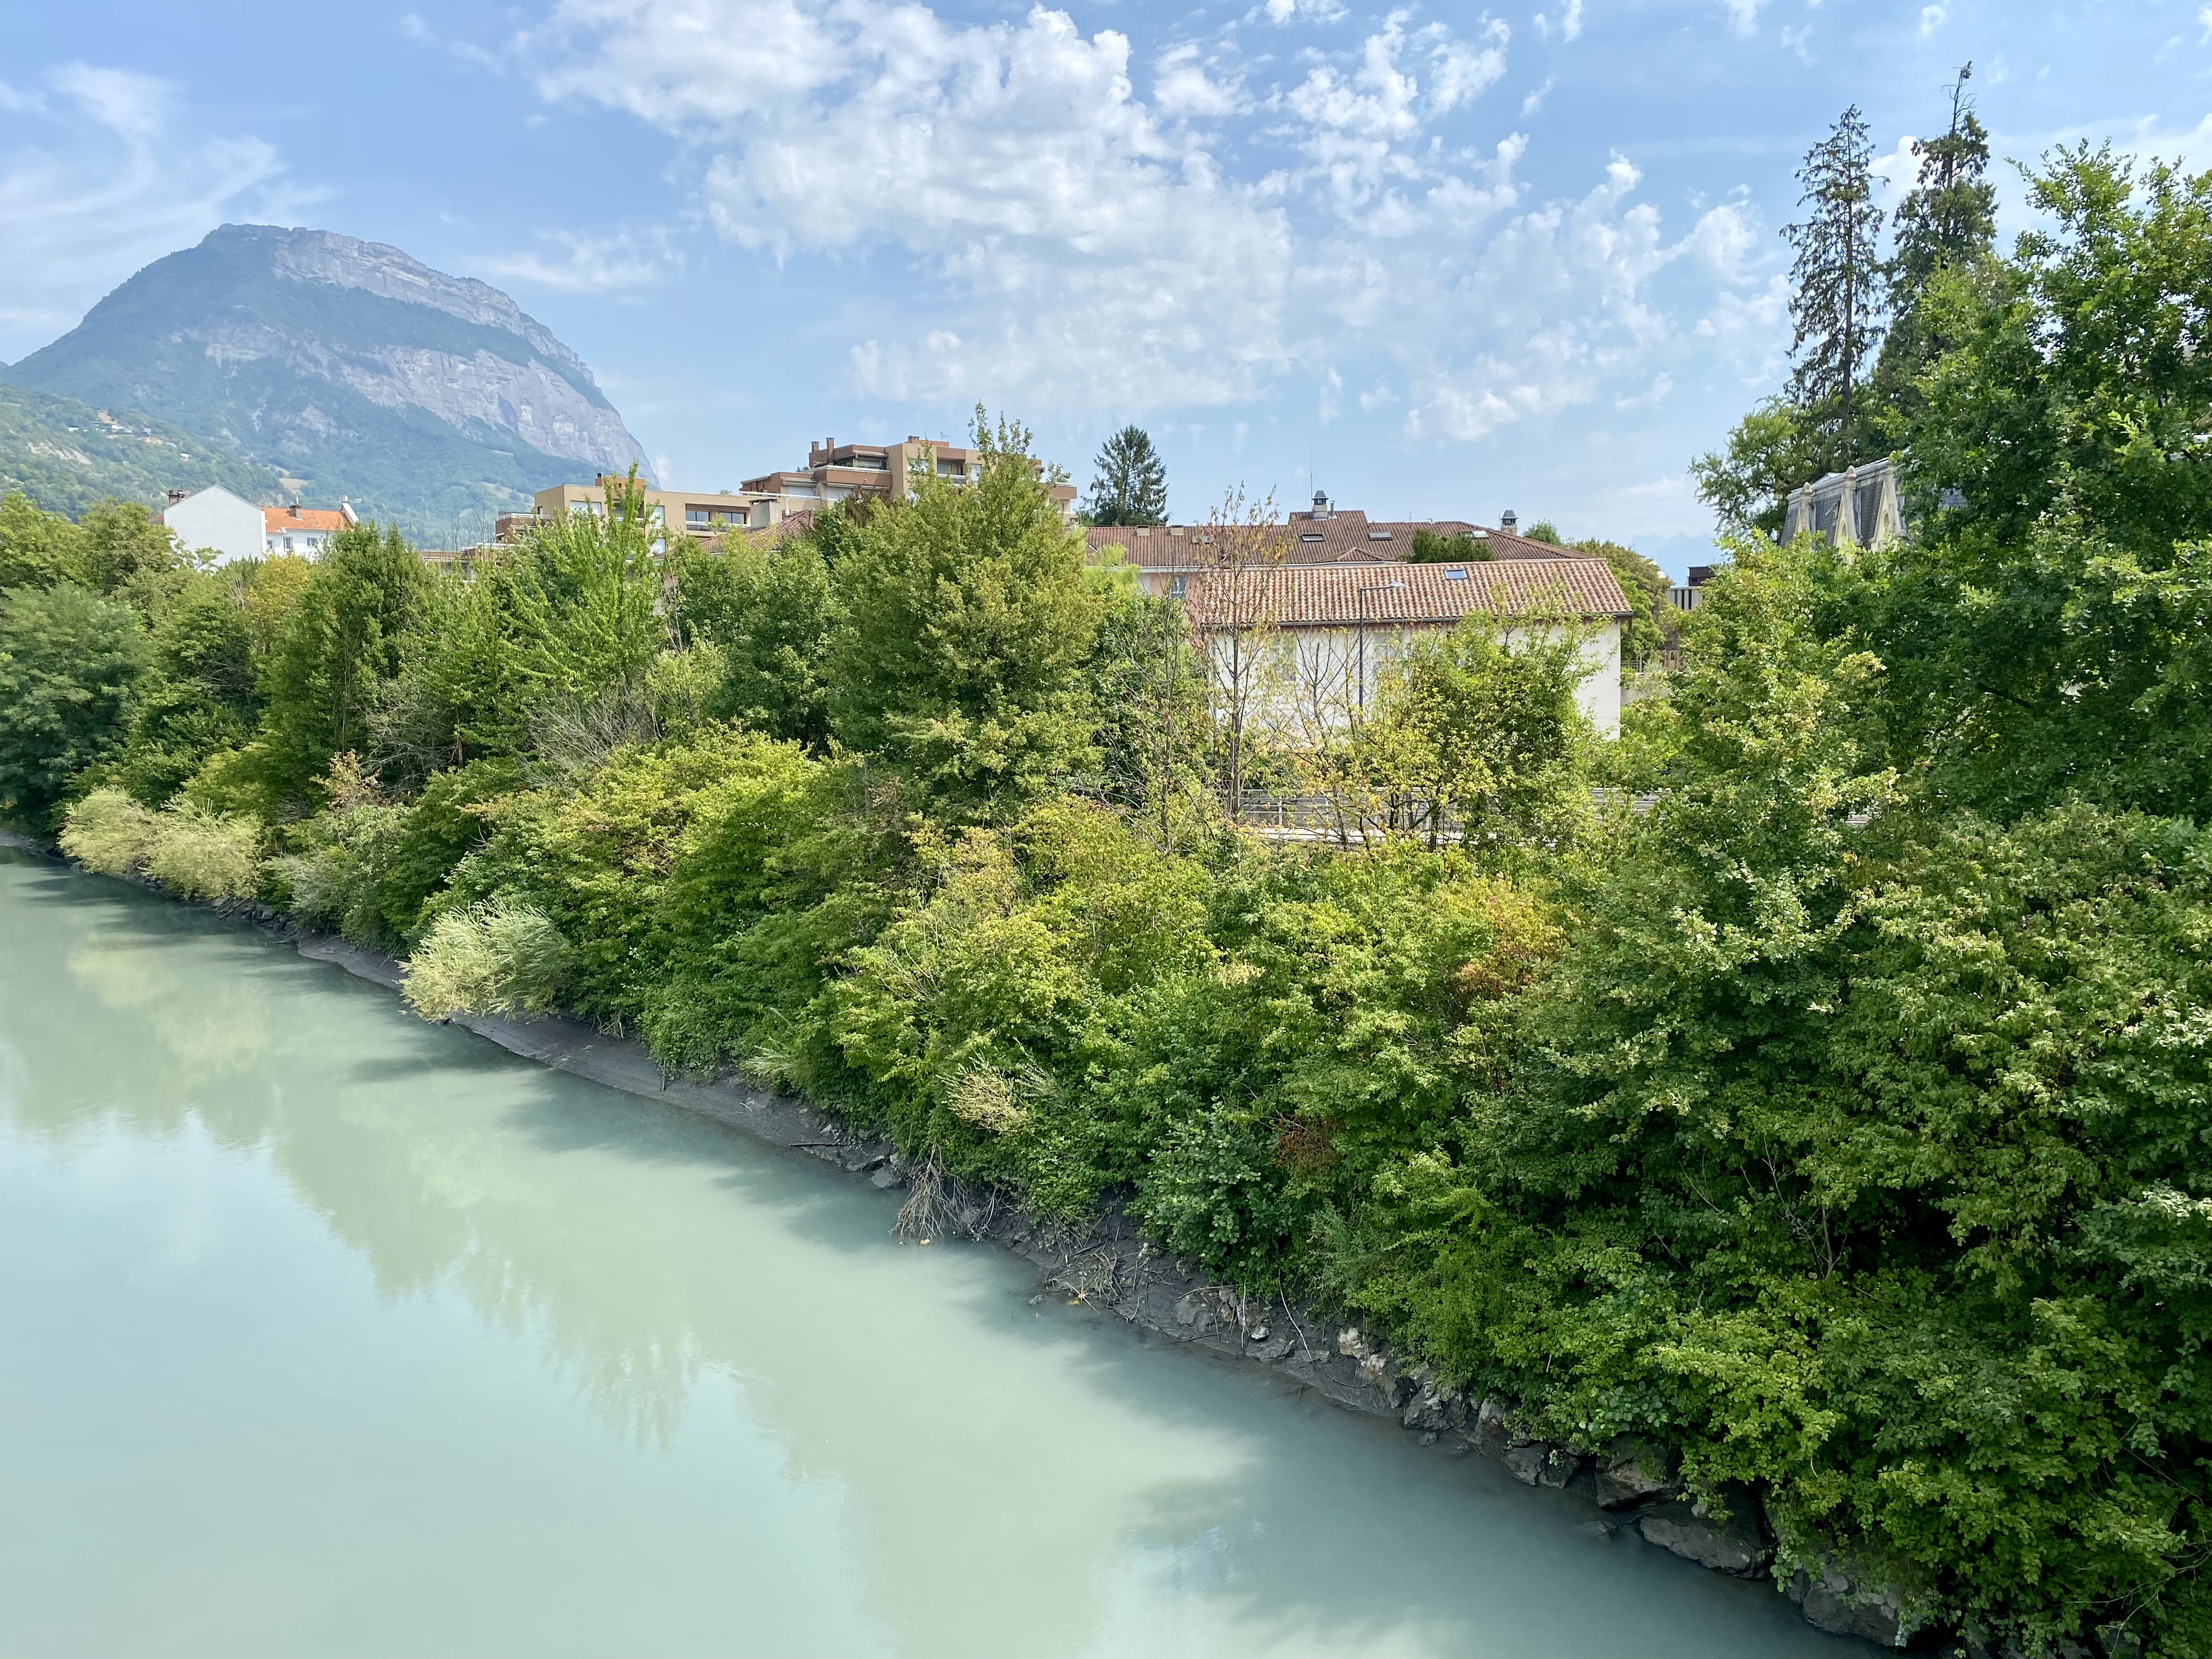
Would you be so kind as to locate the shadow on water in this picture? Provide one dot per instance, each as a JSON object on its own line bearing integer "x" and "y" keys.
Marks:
{"x": 1018, "y": 1480}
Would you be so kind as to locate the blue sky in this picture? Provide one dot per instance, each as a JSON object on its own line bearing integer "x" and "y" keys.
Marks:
{"x": 1455, "y": 260}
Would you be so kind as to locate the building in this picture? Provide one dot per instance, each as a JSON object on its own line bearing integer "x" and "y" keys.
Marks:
{"x": 1164, "y": 556}
{"x": 838, "y": 472}
{"x": 703, "y": 513}
{"x": 833, "y": 472}
{"x": 1335, "y": 626}
{"x": 302, "y": 530}
{"x": 1855, "y": 507}
{"x": 213, "y": 520}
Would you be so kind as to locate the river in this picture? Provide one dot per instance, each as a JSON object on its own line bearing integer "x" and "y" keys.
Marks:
{"x": 326, "y": 1332}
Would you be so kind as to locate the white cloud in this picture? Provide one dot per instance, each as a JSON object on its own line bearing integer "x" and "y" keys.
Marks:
{"x": 1072, "y": 244}
{"x": 100, "y": 185}
{"x": 1183, "y": 85}
{"x": 1317, "y": 11}
{"x": 1534, "y": 100}
{"x": 593, "y": 264}
{"x": 1743, "y": 14}
{"x": 1933, "y": 18}
{"x": 1569, "y": 25}
{"x": 2204, "y": 21}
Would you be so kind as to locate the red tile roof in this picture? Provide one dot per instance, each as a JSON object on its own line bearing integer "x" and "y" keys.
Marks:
{"x": 1310, "y": 596}
{"x": 1348, "y": 537}
{"x": 276, "y": 521}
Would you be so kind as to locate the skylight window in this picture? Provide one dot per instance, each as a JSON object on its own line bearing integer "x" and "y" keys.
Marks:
{"x": 1456, "y": 573}
{"x": 1378, "y": 535}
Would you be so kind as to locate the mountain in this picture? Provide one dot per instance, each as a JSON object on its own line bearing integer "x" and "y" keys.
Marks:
{"x": 353, "y": 368}
{"x": 65, "y": 455}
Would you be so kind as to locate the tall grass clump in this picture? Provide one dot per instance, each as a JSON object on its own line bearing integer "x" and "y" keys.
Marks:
{"x": 110, "y": 833}
{"x": 204, "y": 854}
{"x": 502, "y": 957}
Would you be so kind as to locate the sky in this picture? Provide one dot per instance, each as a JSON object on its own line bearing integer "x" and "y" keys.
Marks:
{"x": 1438, "y": 261}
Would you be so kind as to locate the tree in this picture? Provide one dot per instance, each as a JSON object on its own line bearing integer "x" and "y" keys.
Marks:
{"x": 68, "y": 661}
{"x": 1148, "y": 697}
{"x": 1130, "y": 481}
{"x": 1487, "y": 732}
{"x": 772, "y": 612}
{"x": 198, "y": 697}
{"x": 1229, "y": 604}
{"x": 1646, "y": 586}
{"x": 1773, "y": 450}
{"x": 37, "y": 549}
{"x": 1836, "y": 306}
{"x": 966, "y": 625}
{"x": 1948, "y": 220}
{"x": 340, "y": 641}
{"x": 1434, "y": 547}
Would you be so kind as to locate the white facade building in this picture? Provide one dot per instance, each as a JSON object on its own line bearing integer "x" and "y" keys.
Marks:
{"x": 213, "y": 520}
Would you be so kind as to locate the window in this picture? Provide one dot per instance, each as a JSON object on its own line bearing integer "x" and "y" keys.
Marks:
{"x": 1378, "y": 535}
{"x": 695, "y": 518}
{"x": 1456, "y": 573}
{"x": 952, "y": 468}
{"x": 1176, "y": 586}
{"x": 874, "y": 463}
{"x": 1311, "y": 536}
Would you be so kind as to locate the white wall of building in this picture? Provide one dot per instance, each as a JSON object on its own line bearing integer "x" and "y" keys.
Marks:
{"x": 1312, "y": 678}
{"x": 215, "y": 522}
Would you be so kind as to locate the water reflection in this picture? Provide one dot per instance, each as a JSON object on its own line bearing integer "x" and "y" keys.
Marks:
{"x": 1003, "y": 1482}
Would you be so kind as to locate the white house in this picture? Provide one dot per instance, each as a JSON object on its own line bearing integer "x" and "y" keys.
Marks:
{"x": 302, "y": 530}
{"x": 213, "y": 520}
{"x": 1331, "y": 628}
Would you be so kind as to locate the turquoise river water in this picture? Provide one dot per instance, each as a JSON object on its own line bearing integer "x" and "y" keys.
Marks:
{"x": 327, "y": 1332}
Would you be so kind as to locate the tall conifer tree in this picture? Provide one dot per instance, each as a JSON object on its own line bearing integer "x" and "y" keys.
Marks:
{"x": 1129, "y": 482}
{"x": 1948, "y": 221}
{"x": 1837, "y": 306}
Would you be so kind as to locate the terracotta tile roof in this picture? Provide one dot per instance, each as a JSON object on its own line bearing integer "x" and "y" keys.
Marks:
{"x": 1308, "y": 596}
{"x": 276, "y": 521}
{"x": 1347, "y": 536}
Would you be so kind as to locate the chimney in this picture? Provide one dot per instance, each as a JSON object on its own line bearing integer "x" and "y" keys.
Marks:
{"x": 176, "y": 495}
{"x": 1507, "y": 523}
{"x": 1321, "y": 504}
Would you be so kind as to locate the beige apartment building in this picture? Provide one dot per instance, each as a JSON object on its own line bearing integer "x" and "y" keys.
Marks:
{"x": 837, "y": 472}
{"x": 833, "y": 472}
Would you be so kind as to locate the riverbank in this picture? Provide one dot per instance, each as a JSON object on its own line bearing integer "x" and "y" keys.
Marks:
{"x": 1108, "y": 1266}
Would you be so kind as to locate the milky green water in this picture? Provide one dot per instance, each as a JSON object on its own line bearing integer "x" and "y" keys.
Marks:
{"x": 326, "y": 1333}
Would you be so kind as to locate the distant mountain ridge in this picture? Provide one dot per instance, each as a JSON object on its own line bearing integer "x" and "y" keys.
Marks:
{"x": 351, "y": 367}
{"x": 65, "y": 457}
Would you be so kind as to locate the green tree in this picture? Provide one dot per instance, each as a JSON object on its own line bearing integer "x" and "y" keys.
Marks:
{"x": 68, "y": 661}
{"x": 1129, "y": 483}
{"x": 1434, "y": 547}
{"x": 1835, "y": 305}
{"x": 772, "y": 611}
{"x": 1646, "y": 586}
{"x": 1773, "y": 450}
{"x": 2044, "y": 626}
{"x": 340, "y": 641}
{"x": 1487, "y": 732}
{"x": 37, "y": 549}
{"x": 1948, "y": 219}
{"x": 198, "y": 698}
{"x": 966, "y": 627}
{"x": 1148, "y": 694}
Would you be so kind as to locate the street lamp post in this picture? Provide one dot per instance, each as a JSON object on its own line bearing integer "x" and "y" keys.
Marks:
{"x": 1384, "y": 588}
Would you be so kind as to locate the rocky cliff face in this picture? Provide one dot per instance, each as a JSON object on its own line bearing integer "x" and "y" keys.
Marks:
{"x": 430, "y": 399}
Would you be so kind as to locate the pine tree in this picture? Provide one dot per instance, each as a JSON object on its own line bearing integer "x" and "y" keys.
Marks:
{"x": 1837, "y": 279}
{"x": 1948, "y": 221}
{"x": 1129, "y": 484}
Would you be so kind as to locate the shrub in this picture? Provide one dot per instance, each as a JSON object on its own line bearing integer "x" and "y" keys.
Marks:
{"x": 109, "y": 832}
{"x": 204, "y": 854}
{"x": 500, "y": 958}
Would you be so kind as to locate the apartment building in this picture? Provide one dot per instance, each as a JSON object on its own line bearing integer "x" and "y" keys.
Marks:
{"x": 303, "y": 530}
{"x": 702, "y": 512}
{"x": 837, "y": 472}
